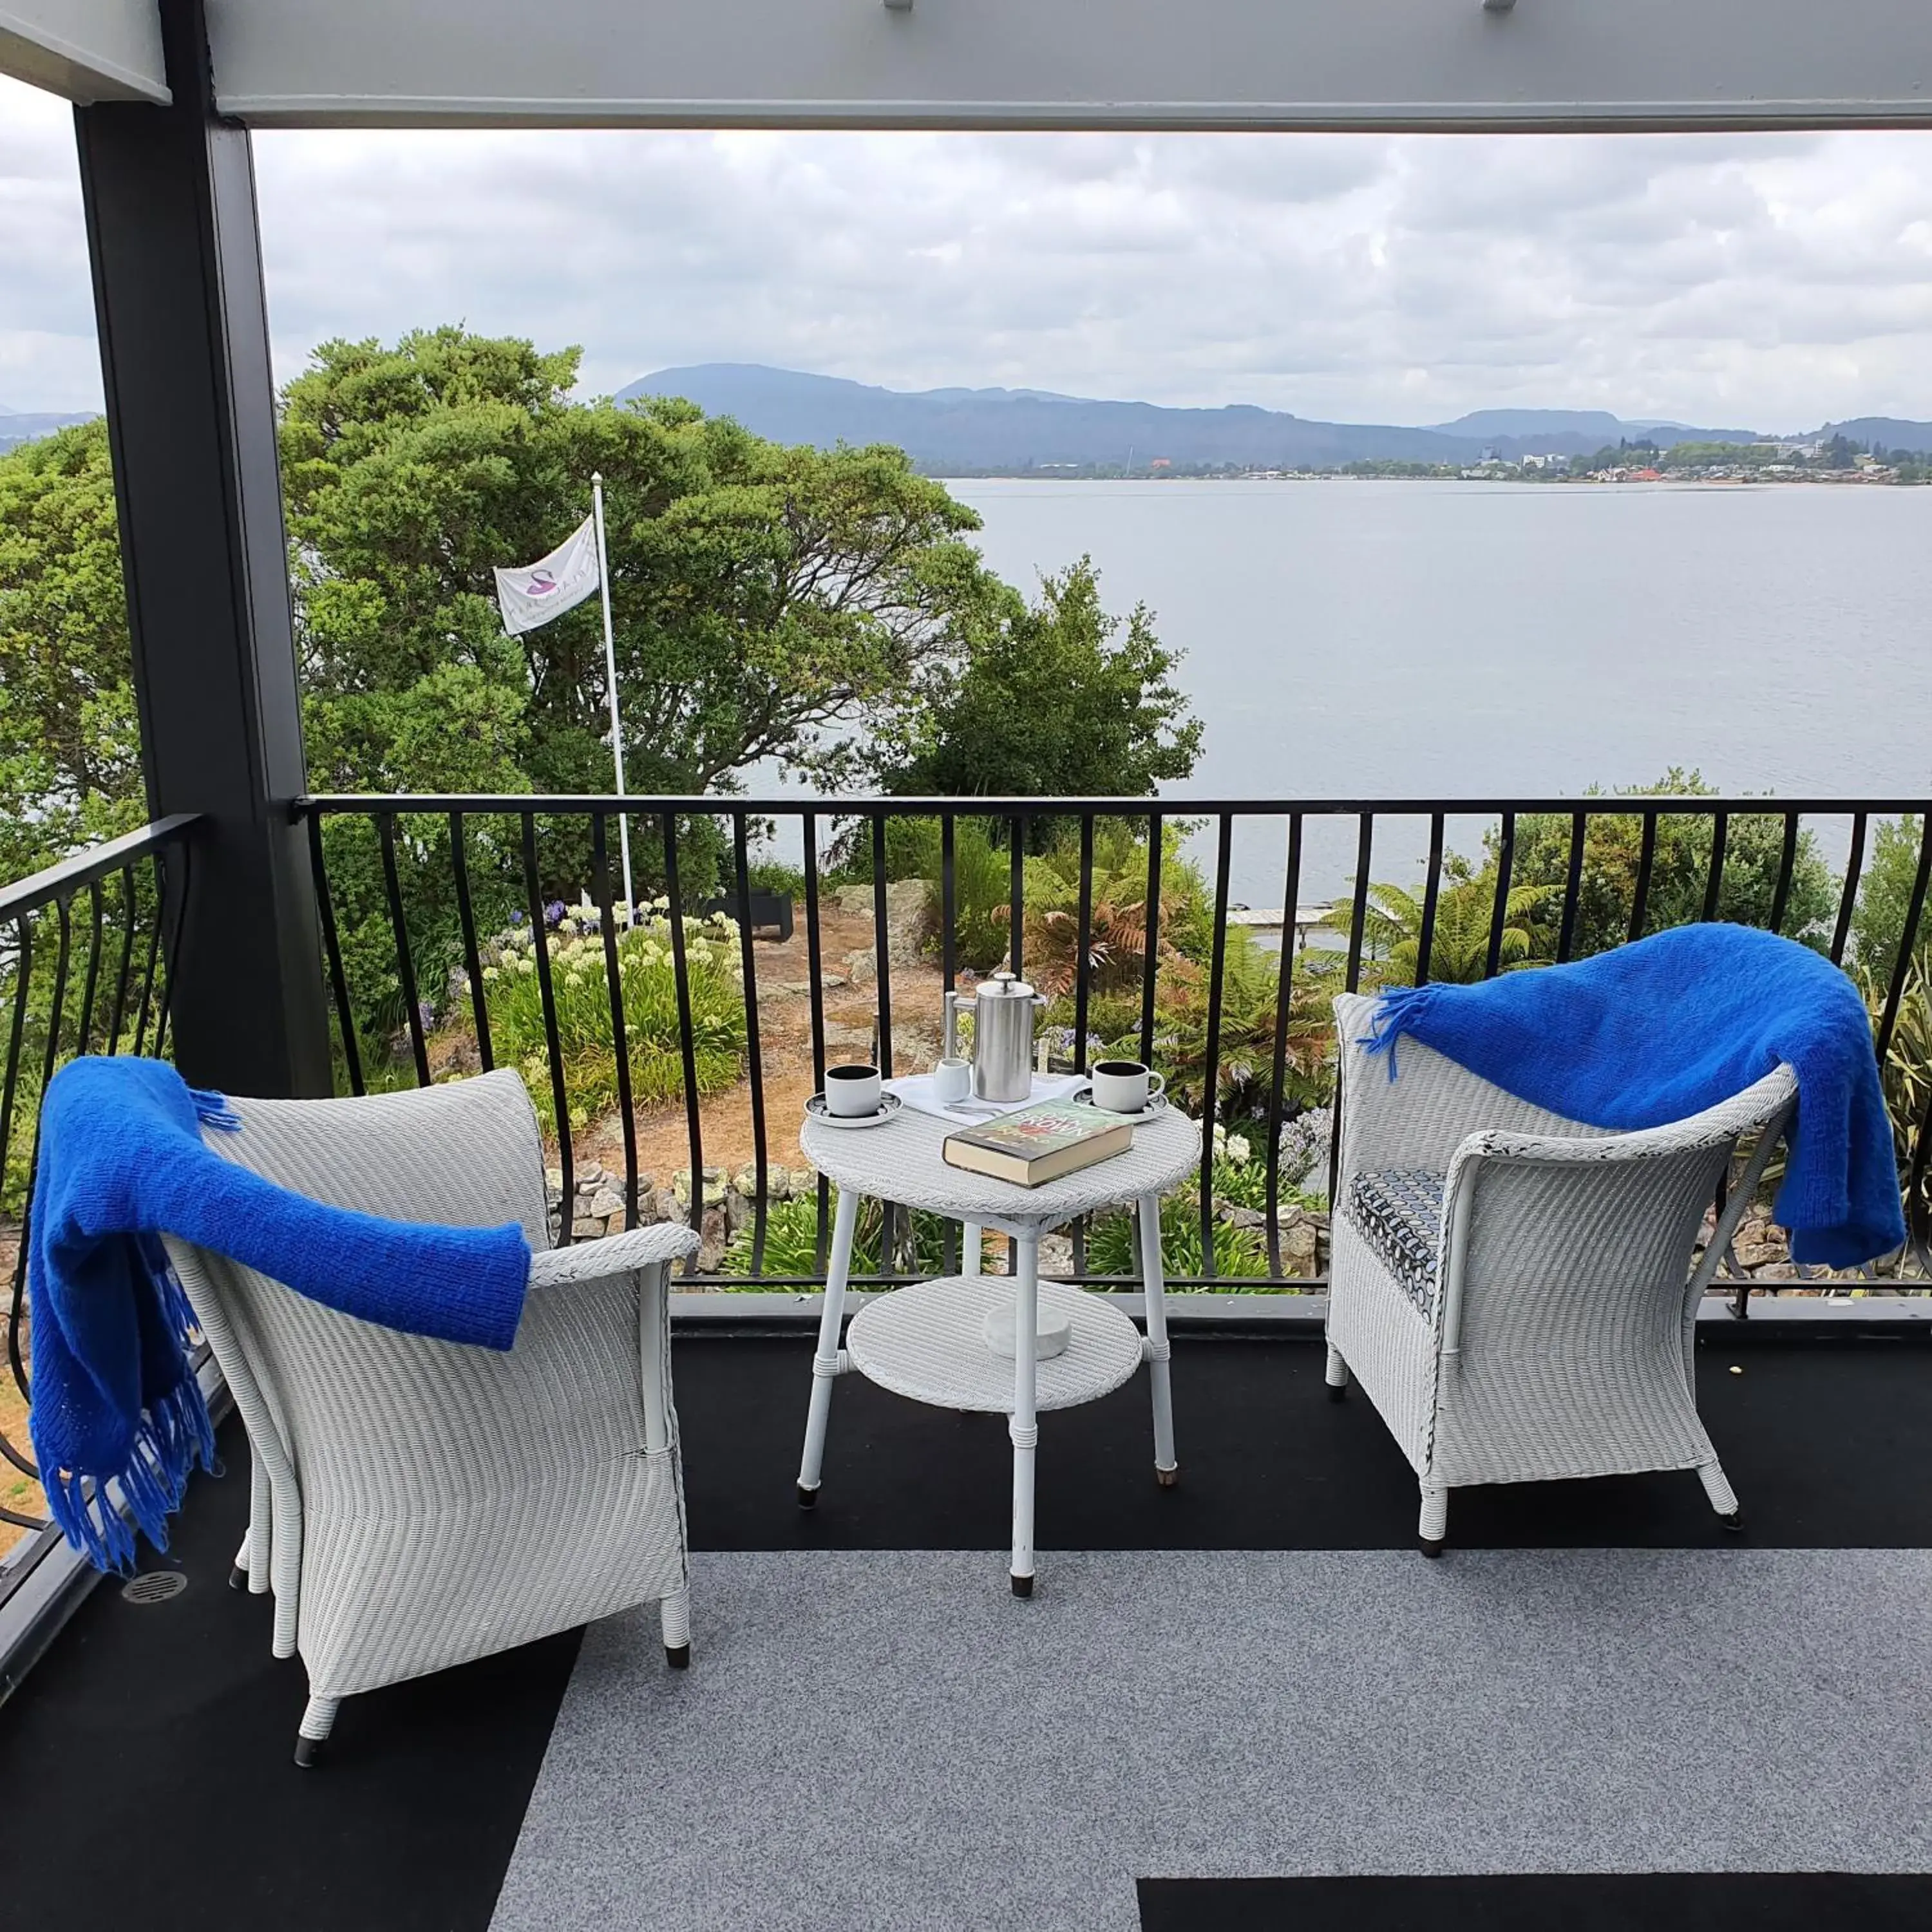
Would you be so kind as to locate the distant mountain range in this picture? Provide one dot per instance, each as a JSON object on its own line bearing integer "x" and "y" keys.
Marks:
{"x": 1008, "y": 431}
{"x": 18, "y": 426}
{"x": 1005, "y": 432}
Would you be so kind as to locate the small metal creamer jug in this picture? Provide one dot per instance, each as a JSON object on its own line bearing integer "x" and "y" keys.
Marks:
{"x": 1002, "y": 1015}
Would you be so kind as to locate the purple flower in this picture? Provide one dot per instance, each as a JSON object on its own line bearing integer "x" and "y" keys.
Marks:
{"x": 554, "y": 911}
{"x": 426, "y": 1013}
{"x": 516, "y": 919}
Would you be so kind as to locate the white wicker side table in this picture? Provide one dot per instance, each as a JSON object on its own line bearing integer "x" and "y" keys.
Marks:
{"x": 926, "y": 1341}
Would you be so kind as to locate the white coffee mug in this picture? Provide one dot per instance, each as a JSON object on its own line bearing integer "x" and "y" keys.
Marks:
{"x": 1126, "y": 1087}
{"x": 852, "y": 1092}
{"x": 952, "y": 1081}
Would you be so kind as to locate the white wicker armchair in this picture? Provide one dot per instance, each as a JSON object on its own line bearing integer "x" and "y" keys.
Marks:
{"x": 415, "y": 1504}
{"x": 1514, "y": 1290}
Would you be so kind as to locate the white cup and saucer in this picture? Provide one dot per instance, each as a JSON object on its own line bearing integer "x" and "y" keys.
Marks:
{"x": 854, "y": 1096}
{"x": 1126, "y": 1087}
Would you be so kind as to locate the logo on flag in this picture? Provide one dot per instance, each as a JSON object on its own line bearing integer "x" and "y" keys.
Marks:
{"x": 552, "y": 585}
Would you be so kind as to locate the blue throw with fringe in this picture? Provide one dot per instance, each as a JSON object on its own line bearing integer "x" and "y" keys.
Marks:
{"x": 115, "y": 1398}
{"x": 1659, "y": 1030}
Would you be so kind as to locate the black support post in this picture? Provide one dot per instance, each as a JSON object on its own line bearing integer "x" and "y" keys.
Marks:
{"x": 170, "y": 201}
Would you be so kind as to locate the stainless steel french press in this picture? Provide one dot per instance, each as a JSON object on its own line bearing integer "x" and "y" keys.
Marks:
{"x": 1002, "y": 1021}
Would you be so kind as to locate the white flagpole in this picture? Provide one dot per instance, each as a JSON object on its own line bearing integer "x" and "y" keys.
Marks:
{"x": 610, "y": 680}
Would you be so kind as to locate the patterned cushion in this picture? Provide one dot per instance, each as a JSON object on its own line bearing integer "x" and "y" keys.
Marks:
{"x": 1398, "y": 1213}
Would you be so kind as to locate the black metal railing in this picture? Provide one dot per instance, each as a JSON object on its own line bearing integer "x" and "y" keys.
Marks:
{"x": 84, "y": 953}
{"x": 1239, "y": 1043}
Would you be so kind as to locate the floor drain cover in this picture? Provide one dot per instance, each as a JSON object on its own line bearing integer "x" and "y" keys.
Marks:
{"x": 154, "y": 1586}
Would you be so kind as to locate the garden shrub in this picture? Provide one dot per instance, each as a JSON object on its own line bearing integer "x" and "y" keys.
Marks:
{"x": 514, "y": 995}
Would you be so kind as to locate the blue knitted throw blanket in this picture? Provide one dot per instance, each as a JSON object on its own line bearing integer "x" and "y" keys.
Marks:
{"x": 1658, "y": 1030}
{"x": 114, "y": 1396}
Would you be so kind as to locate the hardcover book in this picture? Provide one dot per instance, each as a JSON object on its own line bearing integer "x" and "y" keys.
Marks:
{"x": 1040, "y": 1144}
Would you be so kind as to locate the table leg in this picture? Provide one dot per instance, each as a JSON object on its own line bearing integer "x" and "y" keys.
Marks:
{"x": 830, "y": 1359}
{"x": 1153, "y": 1275}
{"x": 970, "y": 1242}
{"x": 1024, "y": 1426}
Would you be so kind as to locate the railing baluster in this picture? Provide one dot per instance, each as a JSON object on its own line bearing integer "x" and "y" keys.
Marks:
{"x": 1908, "y": 936}
{"x": 1848, "y": 897}
{"x": 949, "y": 900}
{"x": 755, "y": 1054}
{"x": 1291, "y": 890}
{"x": 1425, "y": 941}
{"x": 49, "y": 1060}
{"x": 23, "y": 973}
{"x": 131, "y": 912}
{"x": 1151, "y": 963}
{"x": 1573, "y": 886}
{"x": 681, "y": 974}
{"x": 338, "y": 981}
{"x": 1499, "y": 912}
{"x": 93, "y": 966}
{"x": 560, "y": 1099}
{"x": 473, "y": 959}
{"x": 1918, "y": 1201}
{"x": 1645, "y": 863}
{"x": 815, "y": 977}
{"x": 153, "y": 953}
{"x": 1083, "y": 974}
{"x": 171, "y": 951}
{"x": 1016, "y": 834}
{"x": 405, "y": 964}
{"x": 613, "y": 983}
{"x": 1082, "y": 988}
{"x": 1787, "y": 864}
{"x": 1210, "y": 1056}
{"x": 881, "y": 966}
{"x": 1720, "y": 823}
{"x": 1365, "y": 847}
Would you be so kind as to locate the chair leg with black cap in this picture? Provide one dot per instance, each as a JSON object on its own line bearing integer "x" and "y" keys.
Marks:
{"x": 318, "y": 1720}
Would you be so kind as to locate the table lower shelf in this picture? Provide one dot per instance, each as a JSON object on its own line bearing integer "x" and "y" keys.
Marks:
{"x": 927, "y": 1343}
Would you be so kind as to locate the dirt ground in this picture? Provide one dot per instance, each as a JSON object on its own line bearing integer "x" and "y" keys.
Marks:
{"x": 784, "y": 1032}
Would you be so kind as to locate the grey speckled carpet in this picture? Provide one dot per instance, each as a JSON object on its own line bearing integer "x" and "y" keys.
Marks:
{"x": 872, "y": 1740}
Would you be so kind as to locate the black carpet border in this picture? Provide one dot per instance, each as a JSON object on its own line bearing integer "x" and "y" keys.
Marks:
{"x": 1536, "y": 1902}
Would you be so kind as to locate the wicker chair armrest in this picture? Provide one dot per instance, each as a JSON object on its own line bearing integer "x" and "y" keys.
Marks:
{"x": 614, "y": 1254}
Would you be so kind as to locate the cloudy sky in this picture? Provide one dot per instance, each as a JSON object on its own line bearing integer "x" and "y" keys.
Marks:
{"x": 1761, "y": 282}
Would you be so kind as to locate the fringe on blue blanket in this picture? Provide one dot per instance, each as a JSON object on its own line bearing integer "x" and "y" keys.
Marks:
{"x": 1396, "y": 1012}
{"x": 175, "y": 1437}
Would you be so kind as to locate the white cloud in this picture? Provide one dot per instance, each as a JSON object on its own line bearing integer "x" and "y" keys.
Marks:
{"x": 1768, "y": 281}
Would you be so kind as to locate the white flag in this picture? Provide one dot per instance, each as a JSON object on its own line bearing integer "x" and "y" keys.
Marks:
{"x": 552, "y": 585}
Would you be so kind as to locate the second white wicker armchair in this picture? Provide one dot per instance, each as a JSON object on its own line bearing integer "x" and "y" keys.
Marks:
{"x": 416, "y": 1504}
{"x": 1514, "y": 1291}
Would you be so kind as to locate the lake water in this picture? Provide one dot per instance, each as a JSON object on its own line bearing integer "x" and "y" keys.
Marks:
{"x": 1419, "y": 639}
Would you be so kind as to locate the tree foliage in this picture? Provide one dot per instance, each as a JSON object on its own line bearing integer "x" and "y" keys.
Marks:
{"x": 70, "y": 747}
{"x": 1680, "y": 869}
{"x": 1884, "y": 899}
{"x": 1056, "y": 696}
{"x": 765, "y": 600}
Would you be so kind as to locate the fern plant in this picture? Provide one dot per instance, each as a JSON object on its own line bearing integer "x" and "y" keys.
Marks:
{"x": 1458, "y": 948}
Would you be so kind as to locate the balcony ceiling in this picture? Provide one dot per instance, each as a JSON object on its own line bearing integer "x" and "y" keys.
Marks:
{"x": 1447, "y": 64}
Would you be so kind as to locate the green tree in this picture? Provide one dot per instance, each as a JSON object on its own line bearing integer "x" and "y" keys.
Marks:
{"x": 70, "y": 747}
{"x": 1680, "y": 868}
{"x": 1885, "y": 897}
{"x": 765, "y": 600}
{"x": 1056, "y": 696}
